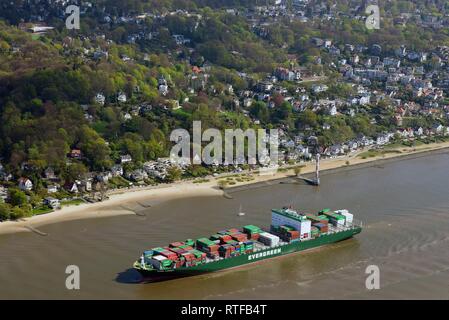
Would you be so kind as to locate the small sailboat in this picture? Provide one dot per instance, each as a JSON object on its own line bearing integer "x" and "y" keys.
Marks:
{"x": 240, "y": 213}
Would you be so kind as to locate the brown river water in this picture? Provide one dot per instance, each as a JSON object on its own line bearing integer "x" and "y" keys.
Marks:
{"x": 404, "y": 205}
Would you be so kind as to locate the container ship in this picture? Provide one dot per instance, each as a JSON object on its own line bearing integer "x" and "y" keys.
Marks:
{"x": 290, "y": 232}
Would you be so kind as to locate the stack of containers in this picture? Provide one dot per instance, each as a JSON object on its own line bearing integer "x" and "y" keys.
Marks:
{"x": 238, "y": 236}
{"x": 200, "y": 256}
{"x": 323, "y": 217}
{"x": 320, "y": 222}
{"x": 348, "y": 216}
{"x": 227, "y": 251}
{"x": 225, "y": 237}
{"x": 249, "y": 246}
{"x": 189, "y": 242}
{"x": 315, "y": 232}
{"x": 335, "y": 218}
{"x": 269, "y": 239}
{"x": 287, "y": 233}
{"x": 323, "y": 227}
{"x": 252, "y": 231}
{"x": 169, "y": 254}
{"x": 207, "y": 246}
{"x": 160, "y": 262}
{"x": 293, "y": 235}
{"x": 176, "y": 244}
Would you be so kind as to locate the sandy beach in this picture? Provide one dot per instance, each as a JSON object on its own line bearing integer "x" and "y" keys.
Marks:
{"x": 128, "y": 202}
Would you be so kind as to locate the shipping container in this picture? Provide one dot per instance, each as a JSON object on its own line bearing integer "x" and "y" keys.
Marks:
{"x": 251, "y": 229}
{"x": 148, "y": 253}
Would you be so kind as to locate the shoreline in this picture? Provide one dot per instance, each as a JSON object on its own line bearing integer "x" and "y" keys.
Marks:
{"x": 120, "y": 202}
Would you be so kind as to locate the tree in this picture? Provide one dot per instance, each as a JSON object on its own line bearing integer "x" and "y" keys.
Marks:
{"x": 5, "y": 211}
{"x": 17, "y": 197}
{"x": 260, "y": 111}
{"x": 308, "y": 117}
{"x": 173, "y": 174}
{"x": 75, "y": 171}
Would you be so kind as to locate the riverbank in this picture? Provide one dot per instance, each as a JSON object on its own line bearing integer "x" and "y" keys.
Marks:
{"x": 129, "y": 202}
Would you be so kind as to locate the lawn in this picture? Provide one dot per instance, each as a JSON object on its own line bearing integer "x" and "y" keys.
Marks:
{"x": 73, "y": 202}
{"x": 41, "y": 210}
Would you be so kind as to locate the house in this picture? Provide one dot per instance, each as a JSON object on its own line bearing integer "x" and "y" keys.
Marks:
{"x": 52, "y": 202}
{"x": 6, "y": 176}
{"x": 317, "y": 88}
{"x": 71, "y": 187}
{"x": 85, "y": 185}
{"x": 3, "y": 194}
{"x": 419, "y": 131}
{"x": 138, "y": 175}
{"x": 25, "y": 184}
{"x": 117, "y": 170}
{"x": 103, "y": 177}
{"x": 75, "y": 154}
{"x": 126, "y": 158}
{"x": 49, "y": 173}
{"x": 437, "y": 128}
{"x": 52, "y": 188}
{"x": 332, "y": 110}
{"x": 352, "y": 145}
{"x": 100, "y": 99}
{"x": 121, "y": 97}
{"x": 163, "y": 90}
{"x": 382, "y": 139}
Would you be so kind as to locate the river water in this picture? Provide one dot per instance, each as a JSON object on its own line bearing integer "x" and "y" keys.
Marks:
{"x": 404, "y": 206}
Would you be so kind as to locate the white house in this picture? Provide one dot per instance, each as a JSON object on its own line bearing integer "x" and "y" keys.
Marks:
{"x": 100, "y": 99}
{"x": 25, "y": 184}
{"x": 72, "y": 187}
{"x": 126, "y": 158}
{"x": 317, "y": 88}
{"x": 419, "y": 131}
{"x": 52, "y": 202}
{"x": 121, "y": 97}
{"x": 117, "y": 170}
{"x": 52, "y": 188}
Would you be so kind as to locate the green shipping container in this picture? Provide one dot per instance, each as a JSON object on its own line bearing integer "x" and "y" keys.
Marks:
{"x": 252, "y": 229}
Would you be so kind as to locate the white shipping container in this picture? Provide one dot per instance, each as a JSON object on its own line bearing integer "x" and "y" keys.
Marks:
{"x": 157, "y": 260}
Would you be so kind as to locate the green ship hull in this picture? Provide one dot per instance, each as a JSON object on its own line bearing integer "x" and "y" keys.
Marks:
{"x": 254, "y": 257}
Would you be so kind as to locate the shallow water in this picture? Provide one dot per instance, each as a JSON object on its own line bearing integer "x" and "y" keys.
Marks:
{"x": 404, "y": 206}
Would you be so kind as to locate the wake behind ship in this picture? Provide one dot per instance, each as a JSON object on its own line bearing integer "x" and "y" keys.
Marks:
{"x": 290, "y": 232}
